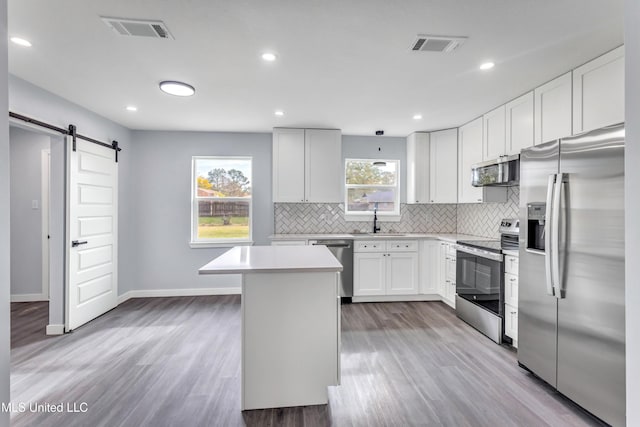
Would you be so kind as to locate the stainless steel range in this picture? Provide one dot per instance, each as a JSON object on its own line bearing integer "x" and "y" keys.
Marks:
{"x": 480, "y": 281}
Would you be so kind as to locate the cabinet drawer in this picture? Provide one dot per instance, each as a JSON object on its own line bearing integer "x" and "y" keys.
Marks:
{"x": 370, "y": 246}
{"x": 451, "y": 249}
{"x": 511, "y": 264}
{"x": 511, "y": 321}
{"x": 402, "y": 246}
{"x": 511, "y": 289}
{"x": 450, "y": 269}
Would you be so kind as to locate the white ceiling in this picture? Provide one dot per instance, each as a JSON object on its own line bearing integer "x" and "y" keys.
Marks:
{"x": 341, "y": 63}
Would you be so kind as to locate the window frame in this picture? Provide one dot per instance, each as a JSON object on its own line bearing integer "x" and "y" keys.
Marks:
{"x": 383, "y": 216}
{"x": 196, "y": 242}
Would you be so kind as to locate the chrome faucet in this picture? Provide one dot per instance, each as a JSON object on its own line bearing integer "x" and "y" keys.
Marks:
{"x": 375, "y": 220}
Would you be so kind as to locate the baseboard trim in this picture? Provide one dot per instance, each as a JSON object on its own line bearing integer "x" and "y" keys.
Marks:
{"x": 155, "y": 293}
{"x": 55, "y": 329}
{"x": 29, "y": 297}
{"x": 397, "y": 298}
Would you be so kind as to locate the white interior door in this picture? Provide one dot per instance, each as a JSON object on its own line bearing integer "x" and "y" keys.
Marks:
{"x": 92, "y": 226}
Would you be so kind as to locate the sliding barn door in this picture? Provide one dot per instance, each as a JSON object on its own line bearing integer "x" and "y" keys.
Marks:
{"x": 92, "y": 227}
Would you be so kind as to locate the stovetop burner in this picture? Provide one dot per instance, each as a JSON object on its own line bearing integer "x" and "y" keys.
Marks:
{"x": 487, "y": 245}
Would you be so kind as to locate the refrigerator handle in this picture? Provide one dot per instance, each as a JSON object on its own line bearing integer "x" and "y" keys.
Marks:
{"x": 555, "y": 236}
{"x": 559, "y": 196}
{"x": 548, "y": 235}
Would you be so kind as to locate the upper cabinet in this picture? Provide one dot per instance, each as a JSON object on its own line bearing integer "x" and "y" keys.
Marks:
{"x": 418, "y": 168}
{"x": 598, "y": 92}
{"x": 519, "y": 124}
{"x": 307, "y": 165}
{"x": 470, "y": 147}
{"x": 469, "y": 153}
{"x": 493, "y": 142}
{"x": 443, "y": 166}
{"x": 552, "y": 103}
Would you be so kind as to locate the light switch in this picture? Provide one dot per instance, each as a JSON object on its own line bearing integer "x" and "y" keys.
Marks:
{"x": 34, "y": 204}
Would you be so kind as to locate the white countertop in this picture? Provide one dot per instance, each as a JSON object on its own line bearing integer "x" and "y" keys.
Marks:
{"x": 273, "y": 259}
{"x": 391, "y": 236}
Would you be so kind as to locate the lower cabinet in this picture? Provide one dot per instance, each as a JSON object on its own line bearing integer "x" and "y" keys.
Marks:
{"x": 385, "y": 268}
{"x": 447, "y": 276}
{"x": 511, "y": 298}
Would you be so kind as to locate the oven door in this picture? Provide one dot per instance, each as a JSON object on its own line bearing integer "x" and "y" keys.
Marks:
{"x": 478, "y": 277}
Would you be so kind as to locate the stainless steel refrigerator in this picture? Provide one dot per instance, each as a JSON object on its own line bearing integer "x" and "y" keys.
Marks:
{"x": 571, "y": 330}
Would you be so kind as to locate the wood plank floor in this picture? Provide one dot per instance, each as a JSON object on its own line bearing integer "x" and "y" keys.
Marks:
{"x": 176, "y": 362}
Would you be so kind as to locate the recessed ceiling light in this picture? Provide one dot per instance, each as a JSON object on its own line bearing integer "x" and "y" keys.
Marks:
{"x": 279, "y": 113}
{"x": 417, "y": 117}
{"x": 268, "y": 56}
{"x": 21, "y": 42}
{"x": 132, "y": 108}
{"x": 177, "y": 88}
{"x": 487, "y": 66}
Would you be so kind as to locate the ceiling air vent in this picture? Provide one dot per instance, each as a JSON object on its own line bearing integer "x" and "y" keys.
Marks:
{"x": 138, "y": 27}
{"x": 444, "y": 44}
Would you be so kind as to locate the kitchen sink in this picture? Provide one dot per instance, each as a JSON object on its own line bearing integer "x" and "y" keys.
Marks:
{"x": 387, "y": 234}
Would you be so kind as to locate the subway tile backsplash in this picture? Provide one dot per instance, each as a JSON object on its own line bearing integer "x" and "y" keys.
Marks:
{"x": 476, "y": 219}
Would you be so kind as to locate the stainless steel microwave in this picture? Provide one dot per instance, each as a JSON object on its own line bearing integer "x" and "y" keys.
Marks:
{"x": 505, "y": 171}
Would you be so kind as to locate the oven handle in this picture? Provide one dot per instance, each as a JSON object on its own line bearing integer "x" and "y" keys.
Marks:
{"x": 480, "y": 253}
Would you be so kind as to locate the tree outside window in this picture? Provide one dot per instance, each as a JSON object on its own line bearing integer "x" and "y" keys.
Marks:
{"x": 221, "y": 199}
{"x": 372, "y": 184}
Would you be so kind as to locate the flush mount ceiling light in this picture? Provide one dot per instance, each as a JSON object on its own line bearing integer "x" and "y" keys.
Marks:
{"x": 279, "y": 113}
{"x": 269, "y": 57}
{"x": 132, "y": 108}
{"x": 487, "y": 66}
{"x": 21, "y": 42}
{"x": 417, "y": 117}
{"x": 177, "y": 88}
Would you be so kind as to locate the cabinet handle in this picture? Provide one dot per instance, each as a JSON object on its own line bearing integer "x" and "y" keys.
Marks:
{"x": 417, "y": 201}
{"x": 479, "y": 200}
{"x": 512, "y": 280}
{"x": 432, "y": 201}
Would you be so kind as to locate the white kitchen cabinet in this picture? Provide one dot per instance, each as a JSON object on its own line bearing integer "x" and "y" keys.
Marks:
{"x": 511, "y": 297}
{"x": 385, "y": 268}
{"x": 552, "y": 106}
{"x": 494, "y": 140}
{"x": 307, "y": 165}
{"x": 519, "y": 123}
{"x": 418, "y": 168}
{"x": 443, "y": 166}
{"x": 429, "y": 257}
{"x": 288, "y": 165}
{"x": 369, "y": 274}
{"x": 470, "y": 138}
{"x": 323, "y": 165}
{"x": 402, "y": 273}
{"x": 598, "y": 92}
{"x": 447, "y": 273}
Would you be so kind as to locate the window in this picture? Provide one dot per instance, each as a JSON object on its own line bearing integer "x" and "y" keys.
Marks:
{"x": 372, "y": 184}
{"x": 221, "y": 200}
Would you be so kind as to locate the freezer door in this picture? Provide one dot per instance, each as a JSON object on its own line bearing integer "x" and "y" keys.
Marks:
{"x": 591, "y": 328}
{"x": 537, "y": 307}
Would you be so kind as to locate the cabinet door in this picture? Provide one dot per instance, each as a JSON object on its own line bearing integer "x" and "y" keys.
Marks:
{"x": 288, "y": 165}
{"x": 369, "y": 274}
{"x": 552, "y": 104}
{"x": 511, "y": 289}
{"x": 519, "y": 123}
{"x": 442, "y": 269}
{"x": 443, "y": 166}
{"x": 598, "y": 92}
{"x": 402, "y": 273}
{"x": 493, "y": 143}
{"x": 428, "y": 268}
{"x": 418, "y": 168}
{"x": 323, "y": 166}
{"x": 469, "y": 153}
{"x": 511, "y": 321}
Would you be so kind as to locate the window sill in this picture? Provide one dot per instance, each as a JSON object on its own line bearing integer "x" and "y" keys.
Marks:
{"x": 369, "y": 217}
{"x": 227, "y": 244}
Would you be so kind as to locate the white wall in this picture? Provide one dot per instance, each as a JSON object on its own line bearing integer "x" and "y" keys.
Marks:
{"x": 26, "y": 223}
{"x": 160, "y": 203}
{"x": 4, "y": 219}
{"x": 35, "y": 102}
{"x": 632, "y": 207}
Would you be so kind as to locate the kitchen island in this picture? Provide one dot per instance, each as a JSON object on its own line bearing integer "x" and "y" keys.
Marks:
{"x": 290, "y": 323}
